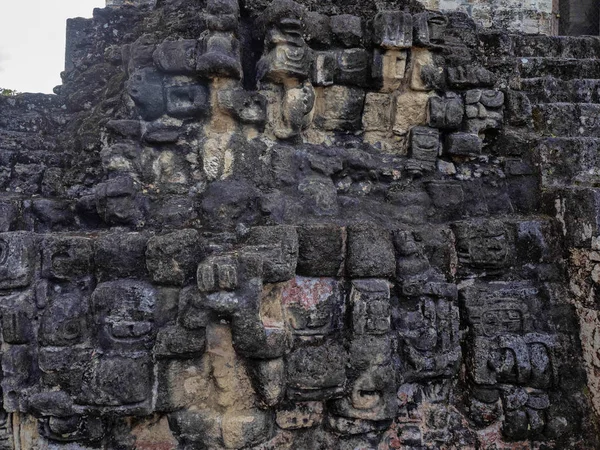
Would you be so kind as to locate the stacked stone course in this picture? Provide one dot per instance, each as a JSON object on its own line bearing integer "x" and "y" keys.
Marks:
{"x": 287, "y": 226}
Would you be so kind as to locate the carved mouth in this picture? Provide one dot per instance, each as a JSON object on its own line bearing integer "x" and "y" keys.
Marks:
{"x": 130, "y": 330}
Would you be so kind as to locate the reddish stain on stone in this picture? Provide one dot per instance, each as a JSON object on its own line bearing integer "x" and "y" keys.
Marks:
{"x": 308, "y": 292}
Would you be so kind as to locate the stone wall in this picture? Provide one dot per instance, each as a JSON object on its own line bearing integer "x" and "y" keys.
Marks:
{"x": 301, "y": 226}
{"x": 531, "y": 16}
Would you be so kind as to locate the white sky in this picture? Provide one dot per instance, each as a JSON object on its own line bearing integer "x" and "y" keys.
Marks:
{"x": 32, "y": 41}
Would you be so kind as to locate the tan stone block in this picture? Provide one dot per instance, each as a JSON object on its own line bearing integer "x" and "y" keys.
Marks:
{"x": 377, "y": 115}
{"x": 411, "y": 110}
{"x": 420, "y": 57}
{"x": 245, "y": 428}
{"x": 154, "y": 433}
{"x": 389, "y": 67}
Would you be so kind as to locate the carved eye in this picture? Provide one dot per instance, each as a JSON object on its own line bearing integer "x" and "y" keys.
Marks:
{"x": 71, "y": 329}
{"x": 3, "y": 251}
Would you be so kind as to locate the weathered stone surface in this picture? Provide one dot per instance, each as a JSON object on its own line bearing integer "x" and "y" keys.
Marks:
{"x": 172, "y": 258}
{"x": 304, "y": 225}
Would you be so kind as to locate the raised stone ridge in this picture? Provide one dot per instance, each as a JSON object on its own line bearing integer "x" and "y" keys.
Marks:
{"x": 333, "y": 225}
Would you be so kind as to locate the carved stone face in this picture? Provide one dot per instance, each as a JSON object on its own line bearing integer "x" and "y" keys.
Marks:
{"x": 124, "y": 312}
{"x": 313, "y": 306}
{"x": 372, "y": 396}
{"x": 483, "y": 245}
{"x": 67, "y": 258}
{"x": 64, "y": 321}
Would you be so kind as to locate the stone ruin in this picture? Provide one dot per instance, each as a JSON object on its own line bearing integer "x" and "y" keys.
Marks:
{"x": 308, "y": 226}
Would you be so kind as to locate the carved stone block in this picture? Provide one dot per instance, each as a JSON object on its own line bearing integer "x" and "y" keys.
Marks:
{"x": 429, "y": 28}
{"x": 279, "y": 247}
{"x": 424, "y": 147}
{"x": 447, "y": 112}
{"x": 67, "y": 257}
{"x": 352, "y": 67}
{"x": 313, "y": 307}
{"x": 102, "y": 386}
{"x": 429, "y": 334}
{"x": 177, "y": 57}
{"x": 389, "y": 68}
{"x": 372, "y": 396}
{"x": 393, "y": 30}
{"x": 340, "y": 108}
{"x": 245, "y": 106}
{"x": 316, "y": 373}
{"x": 119, "y": 201}
{"x": 370, "y": 307}
{"x": 124, "y": 314}
{"x": 121, "y": 255}
{"x": 187, "y": 100}
{"x": 463, "y": 144}
{"x": 462, "y": 77}
{"x": 17, "y": 259}
{"x": 377, "y": 115}
{"x": 482, "y": 245}
{"x": 64, "y": 322}
{"x": 484, "y": 109}
{"x": 145, "y": 87}
{"x": 324, "y": 68}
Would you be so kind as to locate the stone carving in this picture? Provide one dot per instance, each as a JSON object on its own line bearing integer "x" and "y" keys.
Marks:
{"x": 284, "y": 69}
{"x": 242, "y": 225}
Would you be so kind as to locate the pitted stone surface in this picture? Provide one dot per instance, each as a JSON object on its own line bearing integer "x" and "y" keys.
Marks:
{"x": 313, "y": 225}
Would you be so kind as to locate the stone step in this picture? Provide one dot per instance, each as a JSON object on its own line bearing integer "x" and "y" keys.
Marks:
{"x": 553, "y": 90}
{"x": 573, "y": 47}
{"x": 565, "y": 69}
{"x": 569, "y": 161}
{"x": 567, "y": 119}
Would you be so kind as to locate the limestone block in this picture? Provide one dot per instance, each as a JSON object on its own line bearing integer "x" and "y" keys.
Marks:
{"x": 352, "y": 67}
{"x": 411, "y": 110}
{"x": 339, "y": 108}
{"x": 389, "y": 68}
